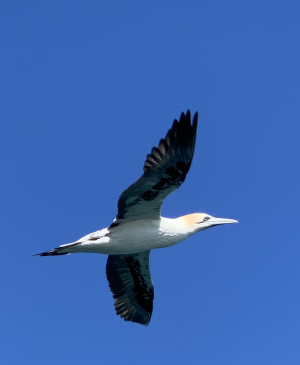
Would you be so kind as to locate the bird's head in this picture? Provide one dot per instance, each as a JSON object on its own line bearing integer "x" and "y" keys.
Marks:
{"x": 197, "y": 222}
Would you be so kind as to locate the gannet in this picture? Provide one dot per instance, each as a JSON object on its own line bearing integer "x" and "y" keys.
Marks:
{"x": 139, "y": 228}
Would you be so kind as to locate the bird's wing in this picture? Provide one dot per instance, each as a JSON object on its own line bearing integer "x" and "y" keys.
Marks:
{"x": 165, "y": 170}
{"x": 131, "y": 286}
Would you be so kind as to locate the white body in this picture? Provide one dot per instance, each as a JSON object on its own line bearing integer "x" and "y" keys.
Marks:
{"x": 132, "y": 237}
{"x": 143, "y": 235}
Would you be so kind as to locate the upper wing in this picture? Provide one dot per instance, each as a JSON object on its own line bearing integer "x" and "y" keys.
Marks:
{"x": 165, "y": 170}
{"x": 130, "y": 283}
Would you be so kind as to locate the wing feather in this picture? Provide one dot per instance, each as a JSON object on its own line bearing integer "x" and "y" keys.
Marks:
{"x": 165, "y": 169}
{"x": 130, "y": 283}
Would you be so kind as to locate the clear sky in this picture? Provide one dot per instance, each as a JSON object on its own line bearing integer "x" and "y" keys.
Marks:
{"x": 87, "y": 89}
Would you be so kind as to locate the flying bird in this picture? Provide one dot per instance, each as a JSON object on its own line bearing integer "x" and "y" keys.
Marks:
{"x": 139, "y": 228}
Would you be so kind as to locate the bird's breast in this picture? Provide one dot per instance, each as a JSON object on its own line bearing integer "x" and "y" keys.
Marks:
{"x": 137, "y": 236}
{"x": 132, "y": 237}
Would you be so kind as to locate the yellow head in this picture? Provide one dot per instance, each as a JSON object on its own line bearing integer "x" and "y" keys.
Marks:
{"x": 199, "y": 221}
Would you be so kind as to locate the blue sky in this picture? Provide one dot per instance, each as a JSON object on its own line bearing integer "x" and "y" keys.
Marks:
{"x": 87, "y": 88}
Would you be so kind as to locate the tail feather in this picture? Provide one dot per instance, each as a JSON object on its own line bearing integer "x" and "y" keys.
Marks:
{"x": 62, "y": 250}
{"x": 54, "y": 252}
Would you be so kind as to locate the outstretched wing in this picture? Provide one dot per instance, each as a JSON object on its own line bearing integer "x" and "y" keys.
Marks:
{"x": 131, "y": 286}
{"x": 165, "y": 170}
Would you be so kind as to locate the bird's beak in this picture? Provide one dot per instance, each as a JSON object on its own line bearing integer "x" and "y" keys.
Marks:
{"x": 217, "y": 221}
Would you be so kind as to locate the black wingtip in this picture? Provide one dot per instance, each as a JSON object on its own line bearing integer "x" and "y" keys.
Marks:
{"x": 188, "y": 114}
{"x": 195, "y": 120}
{"x": 187, "y": 117}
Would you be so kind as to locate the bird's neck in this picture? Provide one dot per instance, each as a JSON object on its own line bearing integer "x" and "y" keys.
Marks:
{"x": 176, "y": 227}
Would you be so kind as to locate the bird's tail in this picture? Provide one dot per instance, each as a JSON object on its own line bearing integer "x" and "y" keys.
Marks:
{"x": 62, "y": 250}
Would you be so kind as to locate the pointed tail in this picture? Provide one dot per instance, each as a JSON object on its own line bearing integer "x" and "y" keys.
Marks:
{"x": 62, "y": 250}
{"x": 54, "y": 252}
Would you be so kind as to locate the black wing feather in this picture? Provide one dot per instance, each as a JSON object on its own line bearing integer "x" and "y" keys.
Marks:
{"x": 165, "y": 170}
{"x": 130, "y": 283}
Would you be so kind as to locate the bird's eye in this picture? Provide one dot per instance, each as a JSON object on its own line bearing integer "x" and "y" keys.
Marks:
{"x": 205, "y": 219}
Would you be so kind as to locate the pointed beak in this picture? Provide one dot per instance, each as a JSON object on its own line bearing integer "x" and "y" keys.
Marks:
{"x": 217, "y": 221}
